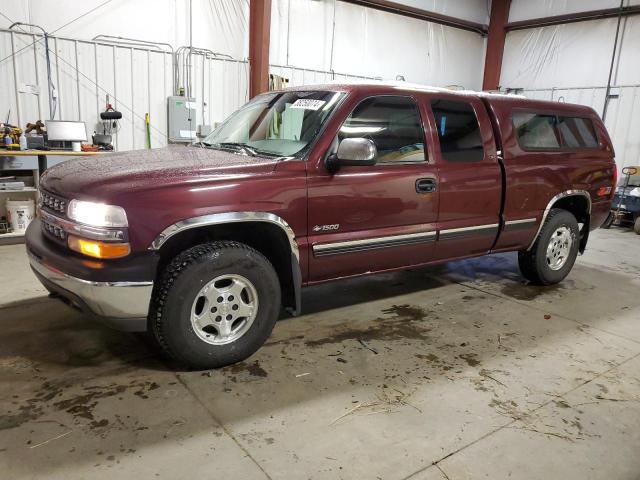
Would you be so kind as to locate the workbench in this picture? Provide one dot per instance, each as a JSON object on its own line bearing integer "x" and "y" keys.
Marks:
{"x": 33, "y": 163}
{"x": 41, "y": 156}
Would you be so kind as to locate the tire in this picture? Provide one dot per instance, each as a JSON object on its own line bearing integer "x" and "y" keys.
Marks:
{"x": 636, "y": 225}
{"x": 609, "y": 221}
{"x": 200, "y": 283}
{"x": 535, "y": 264}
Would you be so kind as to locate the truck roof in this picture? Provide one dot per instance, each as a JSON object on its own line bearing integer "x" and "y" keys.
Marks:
{"x": 504, "y": 99}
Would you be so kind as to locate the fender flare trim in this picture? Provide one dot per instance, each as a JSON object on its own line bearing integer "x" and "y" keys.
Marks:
{"x": 240, "y": 217}
{"x": 561, "y": 195}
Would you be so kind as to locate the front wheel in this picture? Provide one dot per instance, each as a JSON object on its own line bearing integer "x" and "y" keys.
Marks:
{"x": 215, "y": 304}
{"x": 636, "y": 225}
{"x": 553, "y": 254}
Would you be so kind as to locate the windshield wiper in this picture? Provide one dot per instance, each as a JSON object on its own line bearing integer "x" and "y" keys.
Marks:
{"x": 241, "y": 146}
{"x": 266, "y": 152}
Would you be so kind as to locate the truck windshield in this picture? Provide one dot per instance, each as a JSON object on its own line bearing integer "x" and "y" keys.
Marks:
{"x": 282, "y": 124}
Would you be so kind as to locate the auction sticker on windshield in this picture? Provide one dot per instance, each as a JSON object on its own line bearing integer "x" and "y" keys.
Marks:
{"x": 308, "y": 104}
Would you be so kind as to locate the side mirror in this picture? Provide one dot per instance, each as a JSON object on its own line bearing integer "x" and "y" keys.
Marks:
{"x": 353, "y": 152}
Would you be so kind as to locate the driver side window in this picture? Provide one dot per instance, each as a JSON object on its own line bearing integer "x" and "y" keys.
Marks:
{"x": 392, "y": 123}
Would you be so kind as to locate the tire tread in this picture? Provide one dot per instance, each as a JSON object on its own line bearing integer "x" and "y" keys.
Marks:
{"x": 528, "y": 259}
{"x": 168, "y": 276}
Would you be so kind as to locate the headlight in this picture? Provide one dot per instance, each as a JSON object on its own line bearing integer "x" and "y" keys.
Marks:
{"x": 97, "y": 214}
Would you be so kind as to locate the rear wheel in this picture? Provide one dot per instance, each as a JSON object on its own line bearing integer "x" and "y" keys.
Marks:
{"x": 553, "y": 254}
{"x": 609, "y": 221}
{"x": 636, "y": 225}
{"x": 215, "y": 304}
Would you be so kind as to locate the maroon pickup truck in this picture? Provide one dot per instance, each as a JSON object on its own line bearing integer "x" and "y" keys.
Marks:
{"x": 203, "y": 245}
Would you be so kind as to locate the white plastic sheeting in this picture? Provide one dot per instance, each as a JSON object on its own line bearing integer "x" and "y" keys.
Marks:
{"x": 528, "y": 9}
{"x": 372, "y": 43}
{"x": 572, "y": 55}
{"x": 137, "y": 80}
{"x": 571, "y": 63}
{"x": 472, "y": 10}
{"x": 305, "y": 76}
{"x": 219, "y": 25}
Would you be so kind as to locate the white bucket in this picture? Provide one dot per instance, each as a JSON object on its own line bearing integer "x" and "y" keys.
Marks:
{"x": 20, "y": 213}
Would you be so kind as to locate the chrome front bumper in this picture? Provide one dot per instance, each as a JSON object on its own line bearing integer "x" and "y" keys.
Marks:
{"x": 122, "y": 305}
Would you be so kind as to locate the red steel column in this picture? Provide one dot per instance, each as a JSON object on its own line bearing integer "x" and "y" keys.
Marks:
{"x": 259, "y": 31}
{"x": 495, "y": 43}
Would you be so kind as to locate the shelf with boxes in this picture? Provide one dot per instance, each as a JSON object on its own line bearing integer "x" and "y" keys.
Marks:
{"x": 19, "y": 178}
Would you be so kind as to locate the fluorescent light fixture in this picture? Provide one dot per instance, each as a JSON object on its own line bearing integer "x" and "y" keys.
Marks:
{"x": 347, "y": 129}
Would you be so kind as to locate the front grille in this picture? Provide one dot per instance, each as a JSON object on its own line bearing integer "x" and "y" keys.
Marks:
{"x": 53, "y": 203}
{"x": 54, "y": 231}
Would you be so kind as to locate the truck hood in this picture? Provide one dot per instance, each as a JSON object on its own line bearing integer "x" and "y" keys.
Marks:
{"x": 103, "y": 176}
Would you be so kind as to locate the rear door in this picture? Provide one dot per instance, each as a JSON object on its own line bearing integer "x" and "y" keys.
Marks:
{"x": 371, "y": 218}
{"x": 470, "y": 178}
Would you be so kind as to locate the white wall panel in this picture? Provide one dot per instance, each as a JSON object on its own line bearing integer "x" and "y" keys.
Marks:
{"x": 572, "y": 55}
{"x": 301, "y": 76}
{"x": 564, "y": 55}
{"x": 627, "y": 70}
{"x": 472, "y": 10}
{"x": 528, "y": 9}
{"x": 623, "y": 123}
{"x": 372, "y": 43}
{"x": 219, "y": 25}
{"x": 137, "y": 80}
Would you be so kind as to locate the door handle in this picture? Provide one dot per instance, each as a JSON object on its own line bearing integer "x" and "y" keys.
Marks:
{"x": 425, "y": 185}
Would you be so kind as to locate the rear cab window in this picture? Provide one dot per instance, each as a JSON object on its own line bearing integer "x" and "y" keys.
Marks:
{"x": 549, "y": 131}
{"x": 577, "y": 132}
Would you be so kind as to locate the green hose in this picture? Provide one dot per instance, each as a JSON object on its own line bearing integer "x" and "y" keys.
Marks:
{"x": 147, "y": 124}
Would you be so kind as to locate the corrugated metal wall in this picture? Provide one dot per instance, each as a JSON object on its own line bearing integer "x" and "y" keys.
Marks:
{"x": 623, "y": 114}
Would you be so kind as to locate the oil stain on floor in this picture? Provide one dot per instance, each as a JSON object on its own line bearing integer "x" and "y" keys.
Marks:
{"x": 402, "y": 321}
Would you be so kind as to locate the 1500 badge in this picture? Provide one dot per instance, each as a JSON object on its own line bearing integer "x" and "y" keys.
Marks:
{"x": 326, "y": 228}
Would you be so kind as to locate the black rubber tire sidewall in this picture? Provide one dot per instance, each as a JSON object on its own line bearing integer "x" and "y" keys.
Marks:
{"x": 534, "y": 265}
{"x": 636, "y": 225}
{"x": 172, "y": 327}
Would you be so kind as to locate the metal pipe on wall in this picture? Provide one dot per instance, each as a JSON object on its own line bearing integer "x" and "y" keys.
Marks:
{"x": 607, "y": 97}
{"x": 15, "y": 78}
{"x": 128, "y": 41}
{"x": 35, "y": 59}
{"x": 333, "y": 38}
{"x": 51, "y": 88}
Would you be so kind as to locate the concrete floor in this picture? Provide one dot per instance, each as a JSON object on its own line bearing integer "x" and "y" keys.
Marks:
{"x": 458, "y": 371}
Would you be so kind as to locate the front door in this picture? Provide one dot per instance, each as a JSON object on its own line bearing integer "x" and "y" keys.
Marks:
{"x": 371, "y": 218}
{"x": 470, "y": 178}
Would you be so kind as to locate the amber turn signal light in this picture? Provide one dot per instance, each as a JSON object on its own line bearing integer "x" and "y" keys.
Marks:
{"x": 95, "y": 249}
